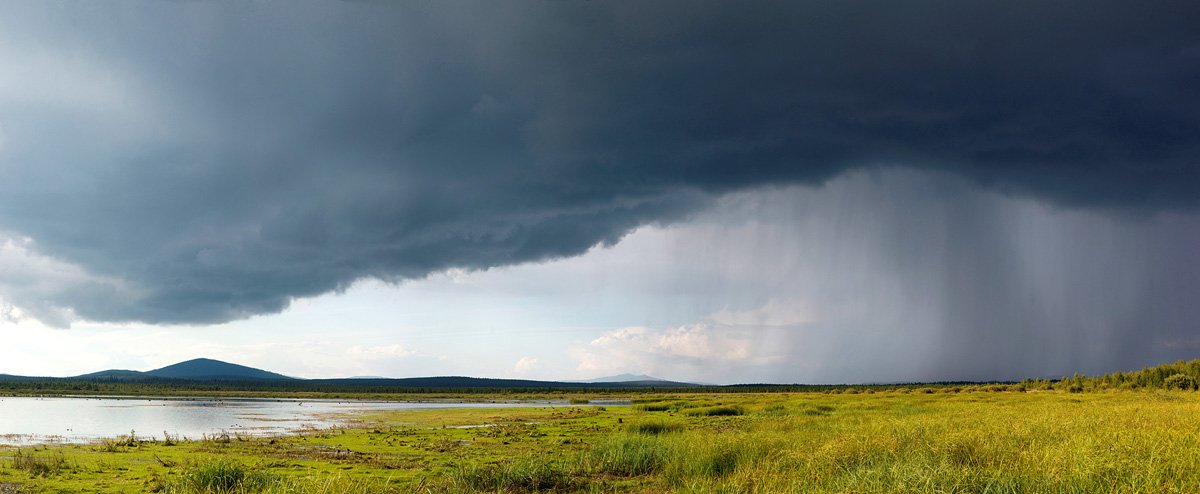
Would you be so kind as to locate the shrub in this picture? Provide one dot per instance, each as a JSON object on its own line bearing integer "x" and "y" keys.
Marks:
{"x": 1180, "y": 381}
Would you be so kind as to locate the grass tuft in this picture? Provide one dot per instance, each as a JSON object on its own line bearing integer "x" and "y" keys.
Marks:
{"x": 657, "y": 407}
{"x": 721, "y": 411}
{"x": 654, "y": 427}
{"x": 38, "y": 465}
{"x": 221, "y": 476}
{"x": 527, "y": 475}
{"x": 629, "y": 455}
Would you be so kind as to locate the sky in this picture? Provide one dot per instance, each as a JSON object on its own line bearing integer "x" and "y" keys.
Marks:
{"x": 819, "y": 192}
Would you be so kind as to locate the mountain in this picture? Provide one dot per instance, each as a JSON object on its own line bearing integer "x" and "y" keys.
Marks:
{"x": 213, "y": 370}
{"x": 198, "y": 370}
{"x": 620, "y": 378}
{"x": 459, "y": 382}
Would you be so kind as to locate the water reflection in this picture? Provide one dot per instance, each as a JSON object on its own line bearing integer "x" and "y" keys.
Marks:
{"x": 27, "y": 420}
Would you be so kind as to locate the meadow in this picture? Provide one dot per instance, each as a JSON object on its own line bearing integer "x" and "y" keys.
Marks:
{"x": 1004, "y": 438}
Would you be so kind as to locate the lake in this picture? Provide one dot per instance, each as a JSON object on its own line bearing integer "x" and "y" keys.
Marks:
{"x": 33, "y": 420}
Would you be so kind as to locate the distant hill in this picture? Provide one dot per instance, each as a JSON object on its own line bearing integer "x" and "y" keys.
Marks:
{"x": 213, "y": 370}
{"x": 485, "y": 383}
{"x": 209, "y": 374}
{"x": 210, "y": 371}
{"x": 620, "y": 378}
{"x": 115, "y": 375}
{"x": 12, "y": 378}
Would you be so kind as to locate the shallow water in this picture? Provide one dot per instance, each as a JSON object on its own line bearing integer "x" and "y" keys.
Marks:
{"x": 32, "y": 420}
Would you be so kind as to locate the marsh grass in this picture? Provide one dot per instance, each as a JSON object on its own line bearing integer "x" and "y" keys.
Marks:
{"x": 680, "y": 459}
{"x": 654, "y": 427}
{"x": 629, "y": 455}
{"x": 335, "y": 484}
{"x": 39, "y": 465}
{"x": 120, "y": 443}
{"x": 718, "y": 411}
{"x": 817, "y": 410}
{"x": 169, "y": 440}
{"x": 221, "y": 476}
{"x": 656, "y": 407}
{"x": 526, "y": 475}
{"x": 1128, "y": 443}
{"x": 973, "y": 441}
{"x": 959, "y": 439}
{"x": 668, "y": 405}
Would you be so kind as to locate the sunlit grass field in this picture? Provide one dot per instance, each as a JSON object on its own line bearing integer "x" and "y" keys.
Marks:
{"x": 940, "y": 441}
{"x": 918, "y": 441}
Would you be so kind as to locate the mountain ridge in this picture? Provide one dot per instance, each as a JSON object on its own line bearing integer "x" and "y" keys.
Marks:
{"x": 212, "y": 370}
{"x": 619, "y": 378}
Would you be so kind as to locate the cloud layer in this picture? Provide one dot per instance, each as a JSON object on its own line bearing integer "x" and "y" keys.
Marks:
{"x": 204, "y": 162}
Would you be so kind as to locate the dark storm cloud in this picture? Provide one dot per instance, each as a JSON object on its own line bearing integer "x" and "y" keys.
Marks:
{"x": 205, "y": 162}
{"x": 915, "y": 276}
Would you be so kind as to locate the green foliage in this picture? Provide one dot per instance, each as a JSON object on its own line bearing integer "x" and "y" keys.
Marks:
{"x": 1180, "y": 381}
{"x": 1178, "y": 375}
